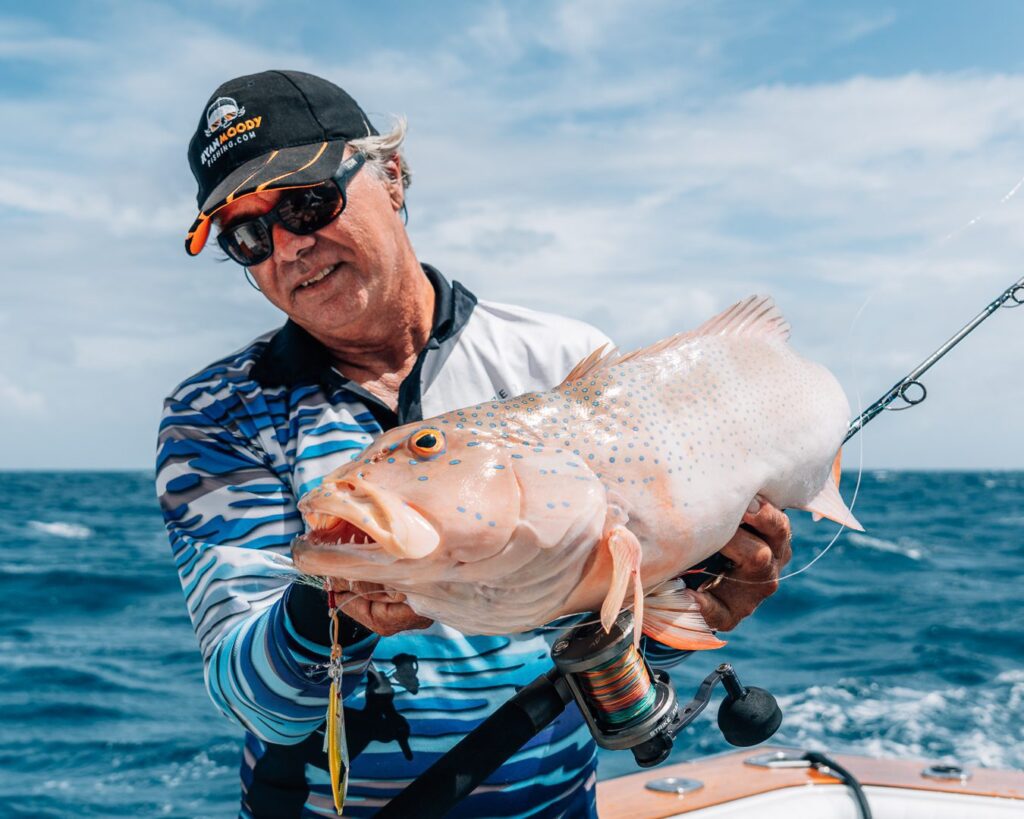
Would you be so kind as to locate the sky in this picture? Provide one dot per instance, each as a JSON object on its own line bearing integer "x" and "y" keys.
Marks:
{"x": 638, "y": 165}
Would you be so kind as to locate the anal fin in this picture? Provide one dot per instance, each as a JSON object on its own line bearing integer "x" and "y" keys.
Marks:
{"x": 672, "y": 617}
{"x": 626, "y": 557}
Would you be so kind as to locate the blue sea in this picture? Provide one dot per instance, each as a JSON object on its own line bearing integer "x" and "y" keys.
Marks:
{"x": 907, "y": 640}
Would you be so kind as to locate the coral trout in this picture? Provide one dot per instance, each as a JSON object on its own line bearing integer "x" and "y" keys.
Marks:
{"x": 594, "y": 495}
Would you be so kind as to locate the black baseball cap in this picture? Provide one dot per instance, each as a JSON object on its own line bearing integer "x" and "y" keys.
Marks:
{"x": 276, "y": 129}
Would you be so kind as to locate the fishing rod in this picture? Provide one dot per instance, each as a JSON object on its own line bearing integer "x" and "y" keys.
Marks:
{"x": 909, "y": 389}
{"x": 625, "y": 702}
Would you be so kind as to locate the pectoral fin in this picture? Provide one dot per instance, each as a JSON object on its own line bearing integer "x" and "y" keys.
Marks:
{"x": 672, "y": 617}
{"x": 626, "y": 557}
{"x": 828, "y": 503}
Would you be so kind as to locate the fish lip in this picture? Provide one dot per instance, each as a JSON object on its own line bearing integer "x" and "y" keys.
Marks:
{"x": 393, "y": 525}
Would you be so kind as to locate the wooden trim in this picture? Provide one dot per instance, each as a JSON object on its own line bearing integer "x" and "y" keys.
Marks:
{"x": 726, "y": 778}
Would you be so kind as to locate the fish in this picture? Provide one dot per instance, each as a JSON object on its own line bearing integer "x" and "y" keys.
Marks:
{"x": 593, "y": 496}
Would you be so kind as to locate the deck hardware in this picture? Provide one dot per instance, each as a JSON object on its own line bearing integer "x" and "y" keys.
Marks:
{"x": 674, "y": 784}
{"x": 946, "y": 772}
{"x": 779, "y": 759}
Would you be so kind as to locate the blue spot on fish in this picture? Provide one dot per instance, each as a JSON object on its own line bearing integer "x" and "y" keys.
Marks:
{"x": 473, "y": 443}
{"x": 551, "y": 506}
{"x": 456, "y": 462}
{"x": 461, "y": 508}
{"x": 391, "y": 460}
{"x": 479, "y": 516}
{"x": 422, "y": 478}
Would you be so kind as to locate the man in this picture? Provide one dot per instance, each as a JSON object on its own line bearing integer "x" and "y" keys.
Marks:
{"x": 310, "y": 198}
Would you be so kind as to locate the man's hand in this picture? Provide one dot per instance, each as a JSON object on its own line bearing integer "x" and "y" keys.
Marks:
{"x": 383, "y": 612}
{"x": 757, "y": 559}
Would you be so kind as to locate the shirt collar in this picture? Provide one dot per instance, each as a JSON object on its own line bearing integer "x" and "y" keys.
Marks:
{"x": 293, "y": 356}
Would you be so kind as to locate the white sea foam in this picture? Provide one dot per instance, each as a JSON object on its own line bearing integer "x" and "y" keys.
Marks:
{"x": 904, "y": 547}
{"x": 955, "y": 724}
{"x": 58, "y": 528}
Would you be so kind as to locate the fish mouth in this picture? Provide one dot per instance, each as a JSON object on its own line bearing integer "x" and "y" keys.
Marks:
{"x": 352, "y": 517}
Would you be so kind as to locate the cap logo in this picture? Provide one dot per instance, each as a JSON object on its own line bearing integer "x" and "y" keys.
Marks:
{"x": 220, "y": 114}
{"x": 235, "y": 133}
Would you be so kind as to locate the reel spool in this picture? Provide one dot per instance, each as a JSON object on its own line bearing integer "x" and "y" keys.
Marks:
{"x": 627, "y": 704}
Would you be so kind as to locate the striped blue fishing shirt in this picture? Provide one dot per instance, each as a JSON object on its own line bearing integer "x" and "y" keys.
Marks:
{"x": 240, "y": 442}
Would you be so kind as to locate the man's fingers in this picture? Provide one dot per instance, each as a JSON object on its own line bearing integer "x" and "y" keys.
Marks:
{"x": 757, "y": 553}
{"x": 391, "y": 618}
{"x": 715, "y": 612}
{"x": 383, "y": 617}
{"x": 751, "y": 556}
{"x": 772, "y": 524}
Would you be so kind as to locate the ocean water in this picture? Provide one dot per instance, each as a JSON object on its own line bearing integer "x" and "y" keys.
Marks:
{"x": 907, "y": 640}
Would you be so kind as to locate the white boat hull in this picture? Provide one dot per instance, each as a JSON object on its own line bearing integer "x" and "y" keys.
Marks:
{"x": 729, "y": 788}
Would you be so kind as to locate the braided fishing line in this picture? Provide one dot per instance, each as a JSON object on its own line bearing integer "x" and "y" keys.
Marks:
{"x": 620, "y": 689}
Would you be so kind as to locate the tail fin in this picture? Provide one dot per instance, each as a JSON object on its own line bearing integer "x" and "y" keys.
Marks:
{"x": 828, "y": 503}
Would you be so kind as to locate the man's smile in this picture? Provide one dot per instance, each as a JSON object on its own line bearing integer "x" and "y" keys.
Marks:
{"x": 318, "y": 277}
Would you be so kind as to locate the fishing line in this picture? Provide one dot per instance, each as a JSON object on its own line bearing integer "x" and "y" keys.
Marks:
{"x": 1012, "y": 297}
{"x": 619, "y": 689}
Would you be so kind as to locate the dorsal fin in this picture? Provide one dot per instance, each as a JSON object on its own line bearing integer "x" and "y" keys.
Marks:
{"x": 603, "y": 355}
{"x": 754, "y": 316}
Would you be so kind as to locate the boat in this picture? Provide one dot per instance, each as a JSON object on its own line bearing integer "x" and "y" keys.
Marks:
{"x": 772, "y": 782}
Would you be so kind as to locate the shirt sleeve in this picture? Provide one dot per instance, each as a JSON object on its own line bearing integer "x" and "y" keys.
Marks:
{"x": 231, "y": 516}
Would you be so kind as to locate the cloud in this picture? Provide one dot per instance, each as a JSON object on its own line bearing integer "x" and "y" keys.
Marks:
{"x": 28, "y": 41}
{"x": 17, "y": 401}
{"x": 604, "y": 160}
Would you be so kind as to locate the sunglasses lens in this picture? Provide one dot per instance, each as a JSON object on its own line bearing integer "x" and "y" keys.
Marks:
{"x": 306, "y": 210}
{"x": 247, "y": 243}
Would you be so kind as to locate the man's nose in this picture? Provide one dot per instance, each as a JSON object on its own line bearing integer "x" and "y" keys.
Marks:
{"x": 290, "y": 246}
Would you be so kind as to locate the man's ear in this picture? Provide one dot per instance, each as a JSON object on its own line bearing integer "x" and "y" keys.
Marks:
{"x": 393, "y": 179}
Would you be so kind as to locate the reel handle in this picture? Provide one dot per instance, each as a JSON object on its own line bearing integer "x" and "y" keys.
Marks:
{"x": 747, "y": 716}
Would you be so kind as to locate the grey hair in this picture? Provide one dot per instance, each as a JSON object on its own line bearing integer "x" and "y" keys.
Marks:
{"x": 379, "y": 149}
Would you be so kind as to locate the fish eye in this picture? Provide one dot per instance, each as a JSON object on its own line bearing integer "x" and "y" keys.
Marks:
{"x": 427, "y": 443}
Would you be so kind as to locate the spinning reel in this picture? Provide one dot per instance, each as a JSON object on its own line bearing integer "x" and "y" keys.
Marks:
{"x": 626, "y": 704}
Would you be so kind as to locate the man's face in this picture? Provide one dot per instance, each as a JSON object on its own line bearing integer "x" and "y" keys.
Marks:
{"x": 362, "y": 250}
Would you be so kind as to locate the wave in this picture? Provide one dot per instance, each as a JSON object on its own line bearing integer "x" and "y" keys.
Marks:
{"x": 956, "y": 724}
{"x": 881, "y": 545}
{"x": 58, "y": 528}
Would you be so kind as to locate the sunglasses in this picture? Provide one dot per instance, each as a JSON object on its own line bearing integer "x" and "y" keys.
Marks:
{"x": 299, "y": 210}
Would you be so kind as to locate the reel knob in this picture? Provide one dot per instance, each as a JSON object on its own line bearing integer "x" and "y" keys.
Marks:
{"x": 749, "y": 718}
